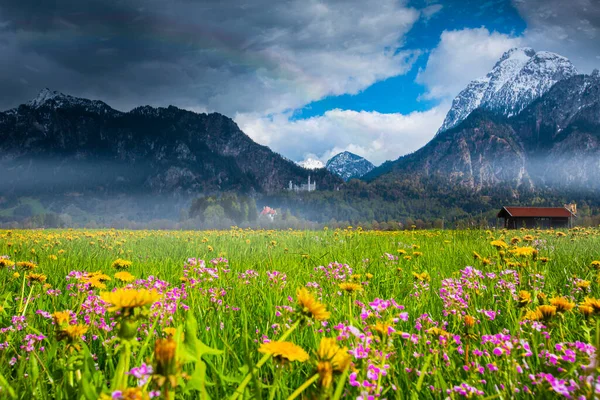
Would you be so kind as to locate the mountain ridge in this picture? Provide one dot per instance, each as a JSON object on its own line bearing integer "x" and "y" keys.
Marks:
{"x": 160, "y": 150}
{"x": 348, "y": 165}
{"x": 553, "y": 142}
{"x": 519, "y": 77}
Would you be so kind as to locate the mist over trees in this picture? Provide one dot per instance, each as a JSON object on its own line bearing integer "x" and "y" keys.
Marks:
{"x": 408, "y": 203}
{"x": 213, "y": 209}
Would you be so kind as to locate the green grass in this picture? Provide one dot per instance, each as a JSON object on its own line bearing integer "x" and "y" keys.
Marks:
{"x": 223, "y": 313}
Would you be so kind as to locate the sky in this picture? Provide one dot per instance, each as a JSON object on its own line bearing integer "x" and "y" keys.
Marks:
{"x": 307, "y": 78}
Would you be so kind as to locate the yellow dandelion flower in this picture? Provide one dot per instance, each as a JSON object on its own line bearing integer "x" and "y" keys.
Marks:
{"x": 499, "y": 244}
{"x": 596, "y": 264}
{"x": 73, "y": 332}
{"x": 547, "y": 312}
{"x": 593, "y": 303}
{"x": 515, "y": 240}
{"x": 164, "y": 357}
{"x": 524, "y": 251}
{"x": 128, "y": 394}
{"x": 469, "y": 321}
{"x": 26, "y": 265}
{"x": 562, "y": 304}
{"x": 524, "y": 298}
{"x": 99, "y": 276}
{"x": 382, "y": 328}
{"x": 435, "y": 331}
{"x": 423, "y": 276}
{"x": 5, "y": 262}
{"x": 310, "y": 307}
{"x": 61, "y": 317}
{"x": 284, "y": 351}
{"x": 350, "y": 287}
{"x": 533, "y": 315}
{"x": 95, "y": 283}
{"x": 128, "y": 299}
{"x": 331, "y": 358}
{"x": 170, "y": 331}
{"x": 583, "y": 284}
{"x": 585, "y": 310}
{"x": 36, "y": 278}
{"x": 121, "y": 264}
{"x": 560, "y": 234}
{"x": 124, "y": 276}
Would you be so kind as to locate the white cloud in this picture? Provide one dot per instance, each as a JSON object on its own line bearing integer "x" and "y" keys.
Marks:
{"x": 570, "y": 28}
{"x": 460, "y": 57}
{"x": 429, "y": 11}
{"x": 377, "y": 137}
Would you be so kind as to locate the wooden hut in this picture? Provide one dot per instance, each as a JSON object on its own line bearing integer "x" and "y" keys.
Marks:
{"x": 536, "y": 217}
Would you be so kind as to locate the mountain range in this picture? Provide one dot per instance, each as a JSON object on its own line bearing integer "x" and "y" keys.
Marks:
{"x": 62, "y": 144}
{"x": 346, "y": 165}
{"x": 531, "y": 123}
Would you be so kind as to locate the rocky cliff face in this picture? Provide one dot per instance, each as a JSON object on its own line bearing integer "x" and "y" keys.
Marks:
{"x": 518, "y": 78}
{"x": 348, "y": 165}
{"x": 553, "y": 142}
{"x": 58, "y": 143}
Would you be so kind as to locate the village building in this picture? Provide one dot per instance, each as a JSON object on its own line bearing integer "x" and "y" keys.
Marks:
{"x": 538, "y": 217}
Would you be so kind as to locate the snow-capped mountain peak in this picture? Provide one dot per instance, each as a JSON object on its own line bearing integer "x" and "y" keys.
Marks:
{"x": 348, "y": 165}
{"x": 519, "y": 77}
{"x": 311, "y": 163}
{"x": 43, "y": 96}
{"x": 54, "y": 99}
{"x": 508, "y": 66}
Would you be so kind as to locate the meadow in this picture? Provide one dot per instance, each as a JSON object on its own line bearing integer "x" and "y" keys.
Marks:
{"x": 346, "y": 313}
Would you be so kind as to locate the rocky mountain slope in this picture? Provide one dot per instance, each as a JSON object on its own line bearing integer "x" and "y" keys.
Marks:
{"x": 553, "y": 142}
{"x": 348, "y": 165}
{"x": 62, "y": 144}
{"x": 521, "y": 76}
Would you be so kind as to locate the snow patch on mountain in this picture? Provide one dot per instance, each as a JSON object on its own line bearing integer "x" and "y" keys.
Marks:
{"x": 311, "y": 163}
{"x": 521, "y": 76}
{"x": 348, "y": 165}
{"x": 54, "y": 99}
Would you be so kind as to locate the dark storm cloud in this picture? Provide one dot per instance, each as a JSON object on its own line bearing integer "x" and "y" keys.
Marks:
{"x": 228, "y": 56}
{"x": 568, "y": 27}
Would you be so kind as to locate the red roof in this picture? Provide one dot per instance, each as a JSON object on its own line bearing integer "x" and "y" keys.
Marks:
{"x": 537, "y": 212}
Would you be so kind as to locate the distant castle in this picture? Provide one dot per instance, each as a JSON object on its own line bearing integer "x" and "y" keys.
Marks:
{"x": 305, "y": 187}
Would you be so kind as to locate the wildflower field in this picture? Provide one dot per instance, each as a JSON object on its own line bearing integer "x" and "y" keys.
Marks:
{"x": 241, "y": 314}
